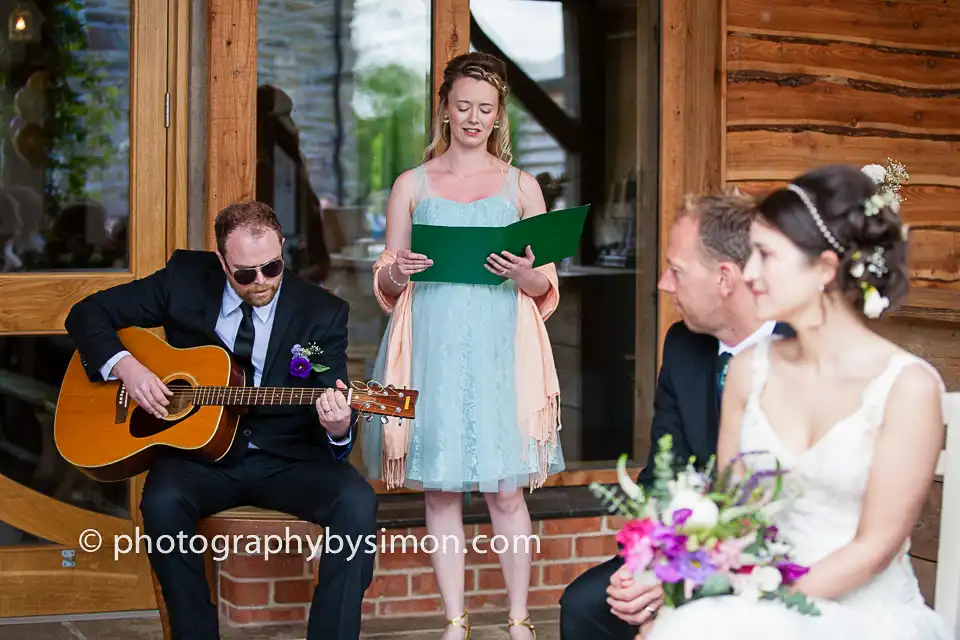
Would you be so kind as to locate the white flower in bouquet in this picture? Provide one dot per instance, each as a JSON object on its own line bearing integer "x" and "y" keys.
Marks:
{"x": 758, "y": 582}
{"x": 688, "y": 480}
{"x": 630, "y": 488}
{"x": 875, "y": 172}
{"x": 775, "y": 548}
{"x": 705, "y": 512}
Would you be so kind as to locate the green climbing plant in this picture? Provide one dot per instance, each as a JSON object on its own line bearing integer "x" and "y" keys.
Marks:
{"x": 83, "y": 107}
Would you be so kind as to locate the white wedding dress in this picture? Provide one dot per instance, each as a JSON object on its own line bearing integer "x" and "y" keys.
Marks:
{"x": 828, "y": 483}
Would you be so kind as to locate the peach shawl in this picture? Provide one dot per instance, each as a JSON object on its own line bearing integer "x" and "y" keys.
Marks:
{"x": 538, "y": 389}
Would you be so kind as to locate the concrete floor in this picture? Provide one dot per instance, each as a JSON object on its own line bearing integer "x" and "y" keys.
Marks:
{"x": 486, "y": 626}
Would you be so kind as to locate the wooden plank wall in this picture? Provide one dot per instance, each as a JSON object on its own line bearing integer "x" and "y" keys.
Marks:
{"x": 856, "y": 81}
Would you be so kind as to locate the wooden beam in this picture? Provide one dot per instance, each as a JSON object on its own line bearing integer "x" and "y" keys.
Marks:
{"x": 691, "y": 125}
{"x": 451, "y": 37}
{"x": 648, "y": 117}
{"x": 544, "y": 109}
{"x": 231, "y": 105}
{"x": 178, "y": 164}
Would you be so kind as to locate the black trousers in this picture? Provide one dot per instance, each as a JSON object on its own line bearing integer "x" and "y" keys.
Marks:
{"x": 584, "y": 611}
{"x": 179, "y": 491}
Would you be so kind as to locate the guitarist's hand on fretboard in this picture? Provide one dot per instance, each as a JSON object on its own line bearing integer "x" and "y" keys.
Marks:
{"x": 143, "y": 386}
{"x": 334, "y": 411}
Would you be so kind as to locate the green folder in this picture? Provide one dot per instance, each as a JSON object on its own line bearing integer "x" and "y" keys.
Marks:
{"x": 460, "y": 253}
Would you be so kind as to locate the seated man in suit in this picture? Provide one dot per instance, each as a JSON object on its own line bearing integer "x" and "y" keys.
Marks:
{"x": 709, "y": 245}
{"x": 290, "y": 458}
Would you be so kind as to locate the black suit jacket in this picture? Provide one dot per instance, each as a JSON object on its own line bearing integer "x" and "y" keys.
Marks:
{"x": 686, "y": 404}
{"x": 185, "y": 299}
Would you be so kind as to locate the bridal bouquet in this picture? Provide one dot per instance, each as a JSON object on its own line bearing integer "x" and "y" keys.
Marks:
{"x": 700, "y": 534}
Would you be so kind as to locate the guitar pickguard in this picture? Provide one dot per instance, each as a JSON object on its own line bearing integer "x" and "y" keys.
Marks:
{"x": 144, "y": 425}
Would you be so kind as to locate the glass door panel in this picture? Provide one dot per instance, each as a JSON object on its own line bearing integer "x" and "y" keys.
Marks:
{"x": 81, "y": 108}
{"x": 82, "y": 208}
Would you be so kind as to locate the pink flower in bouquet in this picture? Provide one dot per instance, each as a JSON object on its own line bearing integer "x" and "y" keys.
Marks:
{"x": 726, "y": 555}
{"x": 637, "y": 544}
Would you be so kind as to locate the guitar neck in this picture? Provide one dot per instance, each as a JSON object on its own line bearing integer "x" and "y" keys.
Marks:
{"x": 250, "y": 396}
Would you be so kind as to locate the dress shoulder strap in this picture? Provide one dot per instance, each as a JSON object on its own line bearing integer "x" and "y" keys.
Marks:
{"x": 761, "y": 366}
{"x": 511, "y": 185}
{"x": 422, "y": 189}
{"x": 877, "y": 392}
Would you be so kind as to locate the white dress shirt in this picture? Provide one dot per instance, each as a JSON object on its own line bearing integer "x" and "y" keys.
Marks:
{"x": 765, "y": 330}
{"x": 227, "y": 324}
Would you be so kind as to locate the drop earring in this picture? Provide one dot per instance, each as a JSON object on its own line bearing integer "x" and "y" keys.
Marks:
{"x": 496, "y": 124}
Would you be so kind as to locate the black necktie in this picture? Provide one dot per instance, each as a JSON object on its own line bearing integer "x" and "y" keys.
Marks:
{"x": 243, "y": 345}
{"x": 723, "y": 362}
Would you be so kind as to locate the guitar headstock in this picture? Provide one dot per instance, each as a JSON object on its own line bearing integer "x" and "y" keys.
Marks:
{"x": 372, "y": 398}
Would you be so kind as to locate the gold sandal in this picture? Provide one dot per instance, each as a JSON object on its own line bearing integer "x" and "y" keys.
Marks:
{"x": 463, "y": 622}
{"x": 523, "y": 623}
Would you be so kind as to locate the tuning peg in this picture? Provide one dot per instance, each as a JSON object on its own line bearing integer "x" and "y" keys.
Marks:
{"x": 383, "y": 419}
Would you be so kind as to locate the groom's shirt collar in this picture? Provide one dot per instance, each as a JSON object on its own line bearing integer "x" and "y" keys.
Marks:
{"x": 765, "y": 330}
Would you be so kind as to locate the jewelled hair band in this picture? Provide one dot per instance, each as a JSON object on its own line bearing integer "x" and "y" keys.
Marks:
{"x": 816, "y": 217}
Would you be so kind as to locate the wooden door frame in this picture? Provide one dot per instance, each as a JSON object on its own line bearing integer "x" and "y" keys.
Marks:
{"x": 692, "y": 85}
{"x": 40, "y": 304}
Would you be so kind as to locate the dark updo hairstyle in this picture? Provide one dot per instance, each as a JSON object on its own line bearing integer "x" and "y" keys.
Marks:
{"x": 839, "y": 193}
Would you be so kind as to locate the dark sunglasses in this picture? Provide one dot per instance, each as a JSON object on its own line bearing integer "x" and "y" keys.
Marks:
{"x": 269, "y": 270}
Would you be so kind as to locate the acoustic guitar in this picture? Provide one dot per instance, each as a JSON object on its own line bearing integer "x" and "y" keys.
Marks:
{"x": 101, "y": 431}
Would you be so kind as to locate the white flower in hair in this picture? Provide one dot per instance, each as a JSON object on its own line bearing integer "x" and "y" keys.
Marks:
{"x": 875, "y": 172}
{"x": 873, "y": 302}
{"x": 889, "y": 179}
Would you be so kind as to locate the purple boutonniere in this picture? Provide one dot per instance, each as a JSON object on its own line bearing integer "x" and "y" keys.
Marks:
{"x": 300, "y": 364}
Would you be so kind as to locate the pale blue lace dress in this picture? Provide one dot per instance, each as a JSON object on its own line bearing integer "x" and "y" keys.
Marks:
{"x": 465, "y": 436}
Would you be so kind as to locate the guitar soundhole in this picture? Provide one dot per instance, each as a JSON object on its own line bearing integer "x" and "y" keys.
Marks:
{"x": 144, "y": 425}
{"x": 182, "y": 399}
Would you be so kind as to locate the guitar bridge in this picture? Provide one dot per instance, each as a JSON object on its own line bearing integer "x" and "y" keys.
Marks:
{"x": 122, "y": 405}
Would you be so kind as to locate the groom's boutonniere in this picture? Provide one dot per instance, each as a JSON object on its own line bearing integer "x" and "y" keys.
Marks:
{"x": 300, "y": 364}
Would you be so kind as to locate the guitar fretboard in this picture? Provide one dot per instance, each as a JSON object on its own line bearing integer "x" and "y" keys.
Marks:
{"x": 229, "y": 396}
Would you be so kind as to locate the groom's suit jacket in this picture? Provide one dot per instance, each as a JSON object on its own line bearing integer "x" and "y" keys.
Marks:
{"x": 687, "y": 400}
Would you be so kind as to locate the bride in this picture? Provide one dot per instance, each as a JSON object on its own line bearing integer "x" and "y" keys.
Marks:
{"x": 857, "y": 421}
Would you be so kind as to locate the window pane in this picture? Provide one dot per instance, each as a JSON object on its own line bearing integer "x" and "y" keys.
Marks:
{"x": 531, "y": 34}
{"x": 343, "y": 109}
{"x": 64, "y": 136}
{"x": 591, "y": 143}
{"x": 31, "y": 369}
